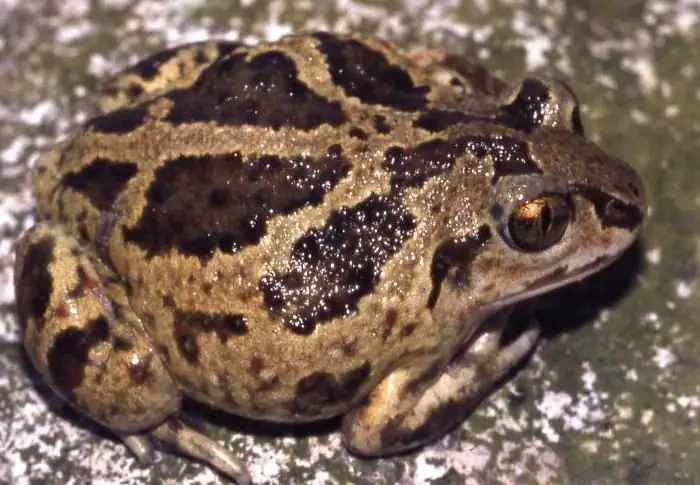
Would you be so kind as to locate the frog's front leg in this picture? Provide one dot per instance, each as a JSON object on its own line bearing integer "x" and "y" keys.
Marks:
{"x": 82, "y": 335}
{"x": 406, "y": 411}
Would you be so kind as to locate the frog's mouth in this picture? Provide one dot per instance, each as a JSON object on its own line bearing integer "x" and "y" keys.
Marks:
{"x": 557, "y": 278}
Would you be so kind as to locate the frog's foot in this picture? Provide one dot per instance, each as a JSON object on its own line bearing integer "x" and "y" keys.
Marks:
{"x": 405, "y": 412}
{"x": 192, "y": 443}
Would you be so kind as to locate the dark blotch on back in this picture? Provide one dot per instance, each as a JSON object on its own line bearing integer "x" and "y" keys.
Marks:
{"x": 101, "y": 181}
{"x": 435, "y": 120}
{"x": 264, "y": 91}
{"x": 411, "y": 167}
{"x": 452, "y": 260}
{"x": 510, "y": 156}
{"x": 68, "y": 354}
{"x": 368, "y": 75}
{"x": 120, "y": 121}
{"x": 612, "y": 212}
{"x": 35, "y": 283}
{"x": 331, "y": 268}
{"x": 199, "y": 205}
{"x": 321, "y": 390}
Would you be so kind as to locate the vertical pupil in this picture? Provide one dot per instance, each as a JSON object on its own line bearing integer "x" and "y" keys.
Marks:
{"x": 546, "y": 219}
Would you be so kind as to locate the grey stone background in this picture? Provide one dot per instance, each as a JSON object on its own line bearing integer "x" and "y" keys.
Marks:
{"x": 613, "y": 393}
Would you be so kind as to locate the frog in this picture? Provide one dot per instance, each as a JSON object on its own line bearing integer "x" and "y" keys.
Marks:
{"x": 320, "y": 225}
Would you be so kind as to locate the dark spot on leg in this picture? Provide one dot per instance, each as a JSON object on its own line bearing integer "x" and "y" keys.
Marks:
{"x": 148, "y": 319}
{"x": 407, "y": 330}
{"x": 122, "y": 345}
{"x": 200, "y": 205}
{"x": 186, "y": 340}
{"x": 368, "y": 75}
{"x": 390, "y": 319}
{"x": 86, "y": 284}
{"x": 163, "y": 352}
{"x": 138, "y": 369}
{"x": 350, "y": 348}
{"x": 257, "y": 364}
{"x": 270, "y": 384}
{"x": 453, "y": 258}
{"x": 169, "y": 301}
{"x": 331, "y": 268}
{"x": 351, "y": 381}
{"x": 101, "y": 181}
{"x": 34, "y": 284}
{"x": 322, "y": 389}
{"x": 68, "y": 355}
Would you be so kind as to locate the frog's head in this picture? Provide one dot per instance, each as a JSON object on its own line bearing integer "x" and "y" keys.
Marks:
{"x": 557, "y": 207}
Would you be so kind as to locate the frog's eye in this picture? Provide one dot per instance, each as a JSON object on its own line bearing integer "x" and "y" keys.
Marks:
{"x": 539, "y": 223}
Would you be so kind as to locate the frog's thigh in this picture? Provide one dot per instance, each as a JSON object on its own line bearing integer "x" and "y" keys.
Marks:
{"x": 402, "y": 414}
{"x": 174, "y": 68}
{"x": 81, "y": 334}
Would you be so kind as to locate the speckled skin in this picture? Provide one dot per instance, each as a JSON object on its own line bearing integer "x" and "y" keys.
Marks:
{"x": 305, "y": 228}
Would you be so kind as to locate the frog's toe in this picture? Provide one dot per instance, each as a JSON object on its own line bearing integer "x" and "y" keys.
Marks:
{"x": 139, "y": 446}
{"x": 195, "y": 444}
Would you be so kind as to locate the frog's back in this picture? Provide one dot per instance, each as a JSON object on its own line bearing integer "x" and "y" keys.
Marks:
{"x": 258, "y": 217}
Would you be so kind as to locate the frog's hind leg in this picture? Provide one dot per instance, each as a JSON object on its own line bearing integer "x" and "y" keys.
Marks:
{"x": 174, "y": 68}
{"x": 187, "y": 441}
{"x": 82, "y": 336}
{"x": 404, "y": 412}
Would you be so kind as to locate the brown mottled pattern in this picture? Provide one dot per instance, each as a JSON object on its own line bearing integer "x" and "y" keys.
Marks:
{"x": 316, "y": 196}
